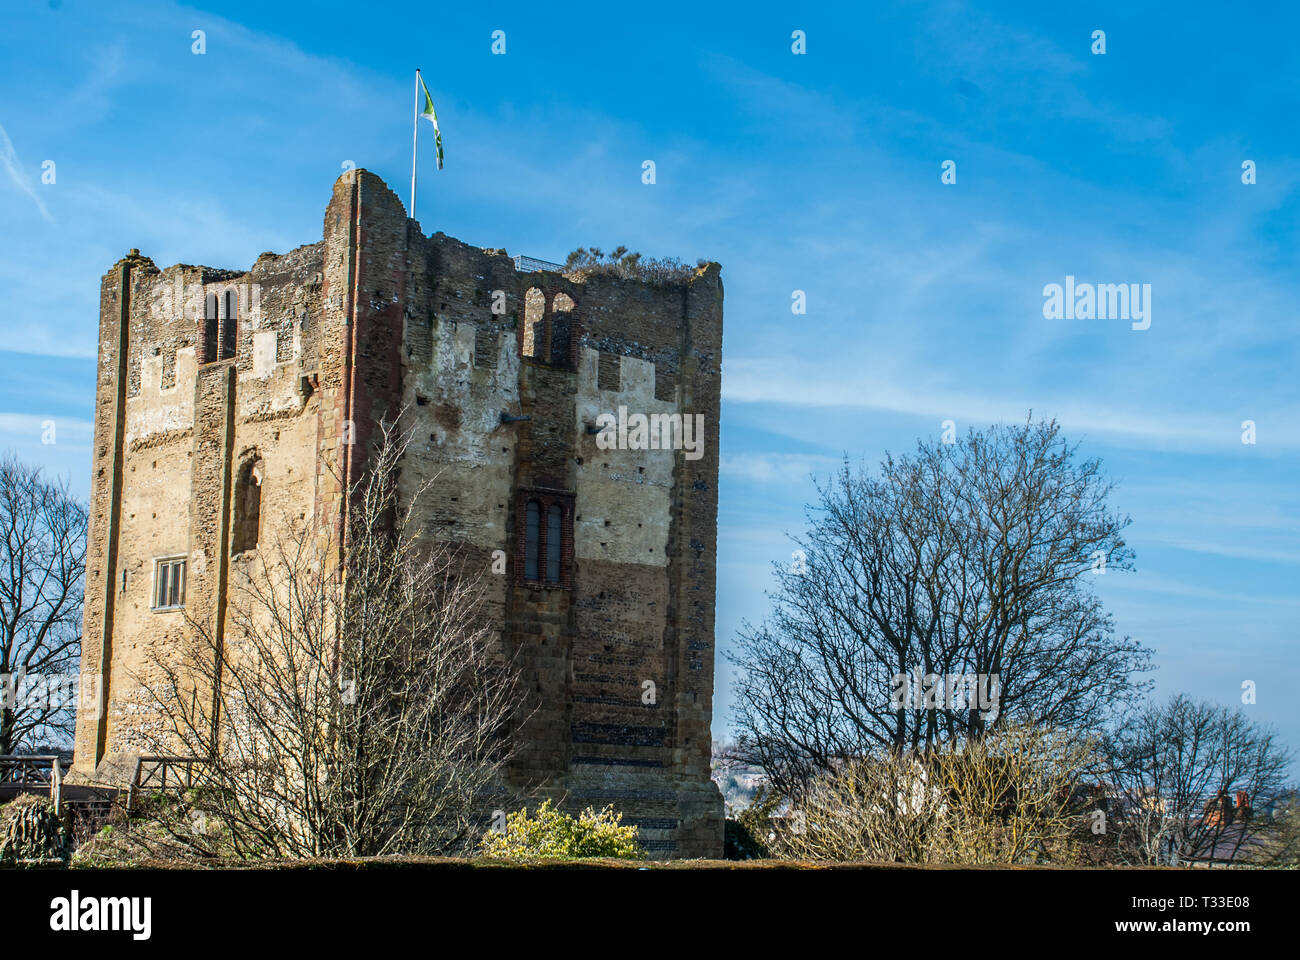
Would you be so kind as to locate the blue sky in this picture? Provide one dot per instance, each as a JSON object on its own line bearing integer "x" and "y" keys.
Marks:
{"x": 819, "y": 173}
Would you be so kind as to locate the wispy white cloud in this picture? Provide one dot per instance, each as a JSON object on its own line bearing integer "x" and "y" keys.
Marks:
{"x": 17, "y": 175}
{"x": 783, "y": 468}
{"x": 884, "y": 386}
{"x": 32, "y": 427}
{"x": 1244, "y": 551}
{"x": 1154, "y": 583}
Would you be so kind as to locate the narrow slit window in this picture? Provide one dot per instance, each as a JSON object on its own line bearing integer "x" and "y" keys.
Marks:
{"x": 531, "y": 540}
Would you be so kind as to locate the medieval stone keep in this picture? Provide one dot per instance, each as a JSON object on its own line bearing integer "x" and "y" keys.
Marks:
{"x": 229, "y": 405}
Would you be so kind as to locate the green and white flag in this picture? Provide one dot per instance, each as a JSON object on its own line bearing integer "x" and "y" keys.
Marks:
{"x": 432, "y": 114}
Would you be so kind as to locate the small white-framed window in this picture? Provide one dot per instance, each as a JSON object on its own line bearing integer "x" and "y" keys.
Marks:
{"x": 169, "y": 583}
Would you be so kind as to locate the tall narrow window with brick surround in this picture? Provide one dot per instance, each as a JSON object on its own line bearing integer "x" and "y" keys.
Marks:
{"x": 561, "y": 314}
{"x": 532, "y": 540}
{"x": 230, "y": 329}
{"x": 544, "y": 539}
{"x": 554, "y": 541}
{"x": 534, "y": 333}
{"x": 211, "y": 324}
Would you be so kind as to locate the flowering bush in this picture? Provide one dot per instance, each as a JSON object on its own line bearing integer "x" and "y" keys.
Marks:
{"x": 550, "y": 833}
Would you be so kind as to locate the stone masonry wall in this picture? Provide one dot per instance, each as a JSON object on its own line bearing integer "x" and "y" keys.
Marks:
{"x": 171, "y": 433}
{"x": 502, "y": 376}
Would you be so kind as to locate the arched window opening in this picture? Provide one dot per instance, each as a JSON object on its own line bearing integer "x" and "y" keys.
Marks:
{"x": 554, "y": 541}
{"x": 532, "y": 540}
{"x": 561, "y": 314}
{"x": 543, "y": 539}
{"x": 248, "y": 507}
{"x": 230, "y": 331}
{"x": 211, "y": 322}
{"x": 534, "y": 344}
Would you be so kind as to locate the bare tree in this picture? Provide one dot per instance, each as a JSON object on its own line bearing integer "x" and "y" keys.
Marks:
{"x": 1280, "y": 838}
{"x": 360, "y": 710}
{"x": 1180, "y": 772}
{"x": 1007, "y": 797}
{"x": 42, "y": 581}
{"x": 965, "y": 565}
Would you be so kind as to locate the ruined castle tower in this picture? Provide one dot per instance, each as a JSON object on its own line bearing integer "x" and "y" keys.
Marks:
{"x": 227, "y": 404}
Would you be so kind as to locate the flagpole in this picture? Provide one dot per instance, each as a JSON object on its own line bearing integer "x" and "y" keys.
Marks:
{"x": 415, "y": 137}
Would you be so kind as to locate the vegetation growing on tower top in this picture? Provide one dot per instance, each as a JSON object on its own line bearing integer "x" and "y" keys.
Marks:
{"x": 627, "y": 265}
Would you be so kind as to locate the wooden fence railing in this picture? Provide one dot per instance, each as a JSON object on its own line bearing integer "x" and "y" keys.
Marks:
{"x": 151, "y": 773}
{"x": 32, "y": 773}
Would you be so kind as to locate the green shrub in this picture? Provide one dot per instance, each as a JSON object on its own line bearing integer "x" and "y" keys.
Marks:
{"x": 628, "y": 266}
{"x": 555, "y": 835}
{"x": 746, "y": 836}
